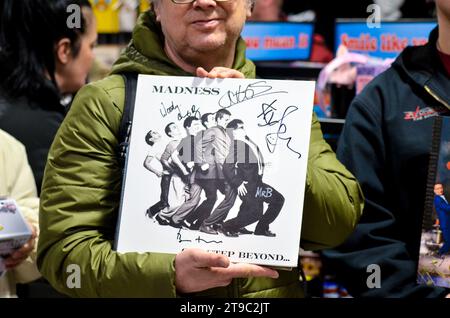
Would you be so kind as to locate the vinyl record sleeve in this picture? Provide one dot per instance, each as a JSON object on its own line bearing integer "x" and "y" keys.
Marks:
{"x": 434, "y": 254}
{"x": 236, "y": 187}
{"x": 14, "y": 230}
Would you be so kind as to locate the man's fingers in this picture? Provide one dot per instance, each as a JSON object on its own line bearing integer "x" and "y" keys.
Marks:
{"x": 201, "y": 72}
{"x": 33, "y": 231}
{"x": 23, "y": 252}
{"x": 213, "y": 74}
{"x": 205, "y": 259}
{"x": 247, "y": 270}
{"x": 12, "y": 265}
{"x": 26, "y": 248}
{"x": 219, "y": 72}
{"x": 13, "y": 262}
{"x": 224, "y": 72}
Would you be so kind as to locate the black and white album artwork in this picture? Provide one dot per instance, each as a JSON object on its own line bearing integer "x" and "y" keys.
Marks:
{"x": 217, "y": 164}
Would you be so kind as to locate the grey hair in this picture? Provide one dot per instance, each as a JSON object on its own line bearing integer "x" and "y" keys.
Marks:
{"x": 251, "y": 3}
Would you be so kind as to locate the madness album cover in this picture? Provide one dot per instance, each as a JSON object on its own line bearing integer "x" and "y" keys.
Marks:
{"x": 217, "y": 164}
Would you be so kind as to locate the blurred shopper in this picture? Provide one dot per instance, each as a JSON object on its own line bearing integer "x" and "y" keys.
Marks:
{"x": 268, "y": 10}
{"x": 390, "y": 9}
{"x": 41, "y": 60}
{"x": 16, "y": 182}
{"x": 386, "y": 143}
{"x": 271, "y": 10}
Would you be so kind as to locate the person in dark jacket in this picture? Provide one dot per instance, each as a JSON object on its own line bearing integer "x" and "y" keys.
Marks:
{"x": 44, "y": 54}
{"x": 443, "y": 211}
{"x": 386, "y": 142}
{"x": 244, "y": 170}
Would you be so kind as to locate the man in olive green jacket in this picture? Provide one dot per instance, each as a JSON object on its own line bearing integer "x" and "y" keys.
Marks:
{"x": 82, "y": 183}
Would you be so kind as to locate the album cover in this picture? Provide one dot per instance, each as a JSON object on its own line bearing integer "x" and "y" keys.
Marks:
{"x": 14, "y": 231}
{"x": 217, "y": 164}
{"x": 434, "y": 256}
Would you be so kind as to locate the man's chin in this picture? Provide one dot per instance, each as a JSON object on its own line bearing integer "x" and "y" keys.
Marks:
{"x": 208, "y": 45}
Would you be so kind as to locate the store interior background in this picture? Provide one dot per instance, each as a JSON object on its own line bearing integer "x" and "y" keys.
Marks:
{"x": 116, "y": 18}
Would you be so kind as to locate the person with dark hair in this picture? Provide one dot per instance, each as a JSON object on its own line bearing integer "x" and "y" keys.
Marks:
{"x": 172, "y": 167}
{"x": 41, "y": 60}
{"x": 443, "y": 212}
{"x": 169, "y": 128}
{"x": 244, "y": 170}
{"x": 17, "y": 182}
{"x": 167, "y": 158}
{"x": 185, "y": 151}
{"x": 220, "y": 114}
{"x": 150, "y": 137}
{"x": 386, "y": 142}
{"x": 81, "y": 191}
{"x": 211, "y": 150}
{"x": 187, "y": 123}
{"x": 153, "y": 164}
{"x": 208, "y": 120}
{"x": 185, "y": 154}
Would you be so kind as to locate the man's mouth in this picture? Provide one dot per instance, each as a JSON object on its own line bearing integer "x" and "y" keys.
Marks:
{"x": 207, "y": 23}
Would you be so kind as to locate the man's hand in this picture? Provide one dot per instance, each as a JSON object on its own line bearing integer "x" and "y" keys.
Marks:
{"x": 204, "y": 166}
{"x": 22, "y": 253}
{"x": 448, "y": 296}
{"x": 197, "y": 270}
{"x": 219, "y": 72}
{"x": 242, "y": 190}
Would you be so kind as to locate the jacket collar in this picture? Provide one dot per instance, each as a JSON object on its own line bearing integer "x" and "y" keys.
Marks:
{"x": 423, "y": 66}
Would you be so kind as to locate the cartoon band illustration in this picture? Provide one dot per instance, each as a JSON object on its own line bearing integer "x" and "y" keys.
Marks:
{"x": 215, "y": 156}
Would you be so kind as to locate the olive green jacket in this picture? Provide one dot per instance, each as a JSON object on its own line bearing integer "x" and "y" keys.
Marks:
{"x": 82, "y": 187}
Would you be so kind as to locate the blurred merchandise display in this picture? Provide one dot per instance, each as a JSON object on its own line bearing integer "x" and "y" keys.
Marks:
{"x": 107, "y": 14}
{"x": 330, "y": 287}
{"x": 128, "y": 14}
{"x": 311, "y": 264}
{"x": 118, "y": 16}
{"x": 144, "y": 5}
{"x": 344, "y": 77}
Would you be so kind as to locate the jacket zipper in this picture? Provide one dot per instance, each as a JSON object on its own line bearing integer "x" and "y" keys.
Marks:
{"x": 436, "y": 97}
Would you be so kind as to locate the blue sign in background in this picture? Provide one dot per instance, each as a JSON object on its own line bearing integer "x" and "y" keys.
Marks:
{"x": 278, "y": 41}
{"x": 385, "y": 42}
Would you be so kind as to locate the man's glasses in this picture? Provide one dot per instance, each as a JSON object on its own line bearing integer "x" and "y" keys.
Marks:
{"x": 190, "y": 1}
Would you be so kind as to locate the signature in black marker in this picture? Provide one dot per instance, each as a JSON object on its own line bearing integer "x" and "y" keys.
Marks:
{"x": 179, "y": 238}
{"x": 267, "y": 116}
{"x": 199, "y": 239}
{"x": 166, "y": 110}
{"x": 253, "y": 90}
{"x": 194, "y": 111}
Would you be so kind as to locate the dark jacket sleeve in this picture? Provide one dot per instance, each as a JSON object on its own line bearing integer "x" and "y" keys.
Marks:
{"x": 80, "y": 203}
{"x": 333, "y": 198}
{"x": 441, "y": 205}
{"x": 361, "y": 149}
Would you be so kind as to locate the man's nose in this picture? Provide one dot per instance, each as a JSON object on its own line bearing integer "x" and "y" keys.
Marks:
{"x": 204, "y": 3}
